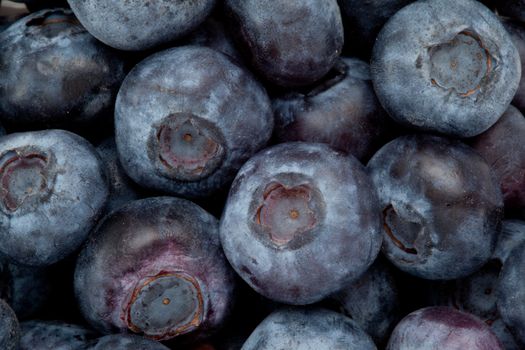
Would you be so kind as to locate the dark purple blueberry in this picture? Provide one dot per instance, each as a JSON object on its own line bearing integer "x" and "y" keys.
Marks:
{"x": 186, "y": 120}
{"x": 516, "y": 32}
{"x": 373, "y": 301}
{"x": 53, "y": 190}
{"x": 289, "y": 42}
{"x": 54, "y": 335}
{"x": 9, "y": 328}
{"x": 511, "y": 293}
{"x": 121, "y": 188}
{"x": 441, "y": 206}
{"x": 341, "y": 111}
{"x": 445, "y": 65}
{"x": 136, "y": 25}
{"x": 54, "y": 73}
{"x": 125, "y": 342}
{"x": 442, "y": 328}
{"x": 301, "y": 222}
{"x": 155, "y": 267}
{"x": 308, "y": 329}
{"x": 503, "y": 148}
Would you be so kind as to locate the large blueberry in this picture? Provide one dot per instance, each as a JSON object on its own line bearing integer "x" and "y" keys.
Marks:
{"x": 442, "y": 328}
{"x": 54, "y": 73}
{"x": 308, "y": 329}
{"x": 441, "y": 206}
{"x": 53, "y": 335}
{"x": 155, "y": 267}
{"x": 139, "y": 24}
{"x": 9, "y": 328}
{"x": 342, "y": 111}
{"x": 289, "y": 42}
{"x": 445, "y": 65}
{"x": 53, "y": 189}
{"x": 301, "y": 221}
{"x": 186, "y": 120}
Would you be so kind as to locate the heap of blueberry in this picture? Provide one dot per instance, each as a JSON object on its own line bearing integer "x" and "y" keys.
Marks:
{"x": 262, "y": 174}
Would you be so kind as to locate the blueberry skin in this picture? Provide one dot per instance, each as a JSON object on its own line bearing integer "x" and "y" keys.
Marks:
{"x": 442, "y": 328}
{"x": 516, "y": 32}
{"x": 373, "y": 301}
{"x": 155, "y": 266}
{"x": 9, "y": 328}
{"x": 126, "y": 342}
{"x": 441, "y": 205}
{"x": 446, "y": 66}
{"x": 342, "y": 111}
{"x": 289, "y": 42}
{"x": 494, "y": 145}
{"x": 54, "y": 190}
{"x": 301, "y": 222}
{"x": 511, "y": 293}
{"x": 134, "y": 25}
{"x": 53, "y": 335}
{"x": 308, "y": 329}
{"x": 187, "y": 118}
{"x": 54, "y": 73}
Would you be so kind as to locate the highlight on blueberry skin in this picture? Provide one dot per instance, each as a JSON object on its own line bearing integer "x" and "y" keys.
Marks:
{"x": 289, "y": 42}
{"x": 53, "y": 190}
{"x": 125, "y": 342}
{"x": 442, "y": 327}
{"x": 134, "y": 25}
{"x": 9, "y": 328}
{"x": 187, "y": 118}
{"x": 54, "y": 73}
{"x": 341, "y": 110}
{"x": 301, "y": 222}
{"x": 308, "y": 329}
{"x": 52, "y": 335}
{"x": 441, "y": 206}
{"x": 155, "y": 267}
{"x": 446, "y": 66}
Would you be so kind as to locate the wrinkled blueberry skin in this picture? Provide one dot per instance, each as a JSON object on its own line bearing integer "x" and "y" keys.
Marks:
{"x": 364, "y": 19}
{"x": 289, "y": 42}
{"x": 373, "y": 302}
{"x": 54, "y": 191}
{"x": 135, "y": 25}
{"x": 445, "y": 66}
{"x": 9, "y": 328}
{"x": 53, "y": 335}
{"x": 54, "y": 73}
{"x": 442, "y": 328}
{"x": 205, "y": 88}
{"x": 301, "y": 222}
{"x": 511, "y": 293}
{"x": 342, "y": 111}
{"x": 503, "y": 148}
{"x": 125, "y": 342}
{"x": 441, "y": 205}
{"x": 152, "y": 240}
{"x": 308, "y": 329}
{"x": 517, "y": 34}
{"x": 121, "y": 188}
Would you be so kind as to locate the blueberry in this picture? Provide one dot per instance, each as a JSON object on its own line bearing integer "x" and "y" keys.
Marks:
{"x": 187, "y": 118}
{"x": 441, "y": 206}
{"x": 9, "y": 328}
{"x": 494, "y": 145}
{"x": 125, "y": 342}
{"x": 373, "y": 301}
{"x": 341, "y": 111}
{"x": 54, "y": 335}
{"x": 54, "y": 73}
{"x": 445, "y": 65}
{"x": 301, "y": 221}
{"x": 442, "y": 328}
{"x": 139, "y": 25}
{"x": 511, "y": 293}
{"x": 289, "y": 42}
{"x": 516, "y": 32}
{"x": 53, "y": 191}
{"x": 308, "y": 329}
{"x": 155, "y": 267}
